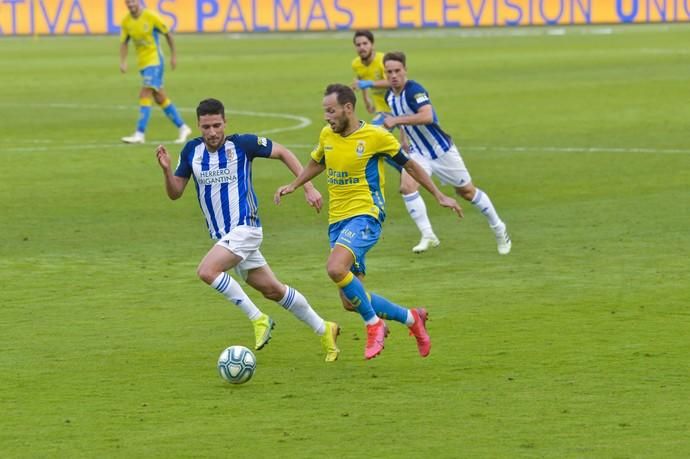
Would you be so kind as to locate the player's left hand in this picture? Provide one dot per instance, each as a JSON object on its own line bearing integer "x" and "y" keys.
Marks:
{"x": 173, "y": 62}
{"x": 447, "y": 201}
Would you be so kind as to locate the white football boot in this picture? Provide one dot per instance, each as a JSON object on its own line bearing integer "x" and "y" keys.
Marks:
{"x": 426, "y": 243}
{"x": 185, "y": 132}
{"x": 137, "y": 137}
{"x": 502, "y": 239}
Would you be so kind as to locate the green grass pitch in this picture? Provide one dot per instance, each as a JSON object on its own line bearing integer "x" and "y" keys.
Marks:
{"x": 573, "y": 346}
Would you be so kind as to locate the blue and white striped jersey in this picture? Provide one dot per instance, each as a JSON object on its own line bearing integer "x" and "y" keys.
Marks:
{"x": 224, "y": 180}
{"x": 428, "y": 140}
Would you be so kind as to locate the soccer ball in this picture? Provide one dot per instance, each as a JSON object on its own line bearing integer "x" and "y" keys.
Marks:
{"x": 236, "y": 364}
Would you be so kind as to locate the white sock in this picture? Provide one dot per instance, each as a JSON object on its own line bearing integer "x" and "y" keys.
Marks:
{"x": 409, "y": 321}
{"x": 233, "y": 292}
{"x": 417, "y": 209}
{"x": 297, "y": 304}
{"x": 482, "y": 202}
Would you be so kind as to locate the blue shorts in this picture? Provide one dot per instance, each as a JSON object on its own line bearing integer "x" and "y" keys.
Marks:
{"x": 357, "y": 234}
{"x": 152, "y": 77}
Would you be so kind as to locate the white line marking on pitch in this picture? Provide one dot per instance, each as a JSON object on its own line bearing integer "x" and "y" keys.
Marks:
{"x": 302, "y": 121}
{"x": 46, "y": 145}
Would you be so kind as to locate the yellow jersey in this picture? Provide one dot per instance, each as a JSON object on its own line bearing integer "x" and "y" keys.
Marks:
{"x": 354, "y": 168}
{"x": 145, "y": 33}
{"x": 374, "y": 71}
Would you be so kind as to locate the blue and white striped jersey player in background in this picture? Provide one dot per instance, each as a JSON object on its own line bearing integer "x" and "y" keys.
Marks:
{"x": 143, "y": 27}
{"x": 222, "y": 170}
{"x": 370, "y": 77}
{"x": 430, "y": 146}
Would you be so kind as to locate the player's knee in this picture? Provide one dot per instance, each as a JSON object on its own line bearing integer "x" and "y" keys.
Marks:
{"x": 336, "y": 272}
{"x": 273, "y": 292}
{"x": 206, "y": 274}
{"x": 406, "y": 188}
{"x": 466, "y": 192}
{"x": 408, "y": 185}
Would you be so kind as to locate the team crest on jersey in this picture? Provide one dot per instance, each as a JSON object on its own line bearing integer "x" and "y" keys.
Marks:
{"x": 262, "y": 141}
{"x": 360, "y": 147}
{"x": 421, "y": 97}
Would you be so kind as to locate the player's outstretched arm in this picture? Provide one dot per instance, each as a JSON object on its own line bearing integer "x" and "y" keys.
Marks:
{"x": 311, "y": 194}
{"x": 309, "y": 172}
{"x": 173, "y": 50}
{"x": 174, "y": 185}
{"x": 420, "y": 175}
{"x": 123, "y": 57}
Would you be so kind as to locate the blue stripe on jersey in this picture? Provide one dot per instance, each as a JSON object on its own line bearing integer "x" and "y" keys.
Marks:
{"x": 253, "y": 202}
{"x": 224, "y": 201}
{"x": 412, "y": 132}
{"x": 374, "y": 182}
{"x": 428, "y": 138}
{"x": 418, "y": 138}
{"x": 205, "y": 163}
{"x": 440, "y": 136}
{"x": 242, "y": 183}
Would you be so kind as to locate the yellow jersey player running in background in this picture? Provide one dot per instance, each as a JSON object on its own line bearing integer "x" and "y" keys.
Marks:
{"x": 370, "y": 77}
{"x": 351, "y": 152}
{"x": 144, "y": 27}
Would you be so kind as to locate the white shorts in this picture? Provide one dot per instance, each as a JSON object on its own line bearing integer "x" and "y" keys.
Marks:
{"x": 244, "y": 241}
{"x": 449, "y": 167}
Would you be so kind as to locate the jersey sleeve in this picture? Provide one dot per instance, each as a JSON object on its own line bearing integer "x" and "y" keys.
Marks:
{"x": 389, "y": 146}
{"x": 158, "y": 23}
{"x": 318, "y": 154}
{"x": 124, "y": 34}
{"x": 184, "y": 164}
{"x": 416, "y": 96}
{"x": 254, "y": 146}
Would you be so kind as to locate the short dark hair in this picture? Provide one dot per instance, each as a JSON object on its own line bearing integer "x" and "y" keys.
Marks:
{"x": 395, "y": 56}
{"x": 364, "y": 33}
{"x": 344, "y": 93}
{"x": 210, "y": 107}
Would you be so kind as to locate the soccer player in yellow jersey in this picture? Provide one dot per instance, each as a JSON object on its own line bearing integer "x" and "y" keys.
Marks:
{"x": 144, "y": 27}
{"x": 351, "y": 152}
{"x": 370, "y": 77}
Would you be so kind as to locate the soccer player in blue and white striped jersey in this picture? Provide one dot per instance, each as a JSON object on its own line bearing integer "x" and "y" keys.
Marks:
{"x": 431, "y": 146}
{"x": 370, "y": 77}
{"x": 222, "y": 170}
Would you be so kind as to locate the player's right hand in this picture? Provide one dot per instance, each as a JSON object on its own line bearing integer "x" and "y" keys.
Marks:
{"x": 123, "y": 67}
{"x": 447, "y": 201}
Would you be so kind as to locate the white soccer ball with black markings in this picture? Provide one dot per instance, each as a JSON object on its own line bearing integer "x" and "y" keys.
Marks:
{"x": 236, "y": 364}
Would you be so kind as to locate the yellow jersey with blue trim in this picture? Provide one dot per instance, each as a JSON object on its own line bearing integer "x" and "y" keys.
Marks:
{"x": 145, "y": 32}
{"x": 374, "y": 71}
{"x": 354, "y": 168}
